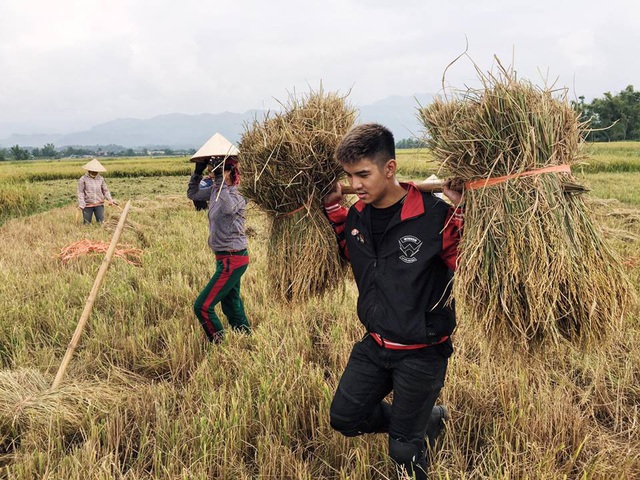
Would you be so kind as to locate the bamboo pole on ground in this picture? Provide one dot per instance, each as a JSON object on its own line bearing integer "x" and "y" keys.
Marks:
{"x": 92, "y": 297}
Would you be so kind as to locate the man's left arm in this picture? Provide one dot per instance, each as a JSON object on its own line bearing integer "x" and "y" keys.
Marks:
{"x": 451, "y": 235}
{"x": 453, "y": 224}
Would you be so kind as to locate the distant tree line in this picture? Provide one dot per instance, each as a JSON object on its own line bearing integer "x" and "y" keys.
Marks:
{"x": 612, "y": 117}
{"x": 49, "y": 151}
{"x": 411, "y": 143}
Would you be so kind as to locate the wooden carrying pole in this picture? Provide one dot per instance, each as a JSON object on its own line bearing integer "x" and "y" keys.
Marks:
{"x": 435, "y": 186}
{"x": 427, "y": 187}
{"x": 92, "y": 298}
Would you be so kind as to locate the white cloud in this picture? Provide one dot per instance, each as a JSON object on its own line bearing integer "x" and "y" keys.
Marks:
{"x": 579, "y": 48}
{"x": 73, "y": 63}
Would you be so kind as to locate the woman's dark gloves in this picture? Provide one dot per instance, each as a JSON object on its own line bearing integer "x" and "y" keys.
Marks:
{"x": 200, "y": 168}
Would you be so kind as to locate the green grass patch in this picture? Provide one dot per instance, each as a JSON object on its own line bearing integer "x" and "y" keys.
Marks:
{"x": 17, "y": 200}
{"x": 116, "y": 168}
{"x": 27, "y": 198}
{"x": 622, "y": 186}
{"x": 599, "y": 157}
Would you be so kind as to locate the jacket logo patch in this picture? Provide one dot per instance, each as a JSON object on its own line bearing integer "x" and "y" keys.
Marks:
{"x": 359, "y": 237}
{"x": 409, "y": 246}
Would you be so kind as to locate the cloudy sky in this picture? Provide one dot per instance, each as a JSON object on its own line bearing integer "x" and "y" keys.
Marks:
{"x": 67, "y": 65}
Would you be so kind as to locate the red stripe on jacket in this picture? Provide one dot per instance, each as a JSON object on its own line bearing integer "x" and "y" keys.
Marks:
{"x": 412, "y": 207}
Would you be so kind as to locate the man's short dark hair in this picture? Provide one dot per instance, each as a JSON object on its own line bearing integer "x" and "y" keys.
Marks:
{"x": 369, "y": 140}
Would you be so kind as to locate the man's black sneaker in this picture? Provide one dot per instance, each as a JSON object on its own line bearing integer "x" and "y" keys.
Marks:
{"x": 435, "y": 425}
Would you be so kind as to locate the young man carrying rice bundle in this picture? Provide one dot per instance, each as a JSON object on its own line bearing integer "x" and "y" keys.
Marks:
{"x": 402, "y": 245}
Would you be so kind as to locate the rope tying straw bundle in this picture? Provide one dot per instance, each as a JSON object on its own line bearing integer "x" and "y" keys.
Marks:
{"x": 292, "y": 212}
{"x": 487, "y": 182}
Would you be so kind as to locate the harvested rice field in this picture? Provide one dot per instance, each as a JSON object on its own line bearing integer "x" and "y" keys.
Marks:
{"x": 145, "y": 397}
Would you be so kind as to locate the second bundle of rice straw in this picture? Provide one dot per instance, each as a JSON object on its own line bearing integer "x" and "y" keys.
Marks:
{"x": 533, "y": 266}
{"x": 288, "y": 167}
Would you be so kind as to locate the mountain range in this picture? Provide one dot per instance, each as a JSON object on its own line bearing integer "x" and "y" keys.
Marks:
{"x": 177, "y": 130}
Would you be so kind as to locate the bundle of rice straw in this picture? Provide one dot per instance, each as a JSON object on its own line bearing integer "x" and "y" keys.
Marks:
{"x": 28, "y": 403}
{"x": 287, "y": 168}
{"x": 533, "y": 266}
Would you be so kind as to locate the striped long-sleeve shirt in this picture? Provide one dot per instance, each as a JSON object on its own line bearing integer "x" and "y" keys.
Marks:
{"x": 92, "y": 191}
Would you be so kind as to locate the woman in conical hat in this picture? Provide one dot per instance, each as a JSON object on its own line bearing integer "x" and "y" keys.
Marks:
{"x": 93, "y": 192}
{"x": 227, "y": 238}
{"x": 215, "y": 152}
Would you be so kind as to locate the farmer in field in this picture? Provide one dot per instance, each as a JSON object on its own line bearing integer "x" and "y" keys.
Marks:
{"x": 402, "y": 245}
{"x": 227, "y": 238}
{"x": 93, "y": 192}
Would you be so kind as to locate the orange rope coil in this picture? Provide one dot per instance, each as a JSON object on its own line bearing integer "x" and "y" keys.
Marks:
{"x": 128, "y": 253}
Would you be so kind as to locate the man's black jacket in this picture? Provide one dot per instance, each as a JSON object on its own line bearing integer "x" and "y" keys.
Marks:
{"x": 404, "y": 286}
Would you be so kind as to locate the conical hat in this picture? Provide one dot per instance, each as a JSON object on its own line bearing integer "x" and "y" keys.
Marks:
{"x": 216, "y": 146}
{"x": 94, "y": 166}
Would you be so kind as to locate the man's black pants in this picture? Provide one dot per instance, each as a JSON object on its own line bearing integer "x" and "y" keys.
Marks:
{"x": 416, "y": 378}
